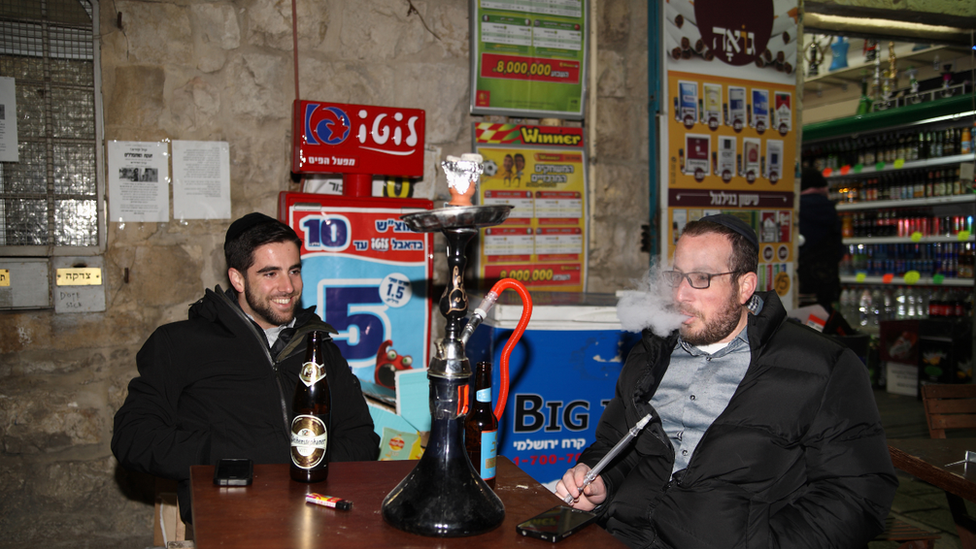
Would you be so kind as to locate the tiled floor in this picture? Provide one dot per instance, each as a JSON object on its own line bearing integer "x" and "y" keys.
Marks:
{"x": 915, "y": 502}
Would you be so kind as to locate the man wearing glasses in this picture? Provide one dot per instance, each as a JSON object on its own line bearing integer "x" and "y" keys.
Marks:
{"x": 764, "y": 433}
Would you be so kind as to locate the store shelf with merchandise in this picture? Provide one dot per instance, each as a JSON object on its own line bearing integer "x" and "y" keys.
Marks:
{"x": 902, "y": 181}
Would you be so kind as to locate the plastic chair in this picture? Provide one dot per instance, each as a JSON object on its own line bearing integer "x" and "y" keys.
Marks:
{"x": 953, "y": 407}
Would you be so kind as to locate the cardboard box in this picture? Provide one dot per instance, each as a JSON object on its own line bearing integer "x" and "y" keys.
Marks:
{"x": 401, "y": 415}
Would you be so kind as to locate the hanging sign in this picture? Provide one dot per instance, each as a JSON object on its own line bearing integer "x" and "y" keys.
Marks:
{"x": 365, "y": 139}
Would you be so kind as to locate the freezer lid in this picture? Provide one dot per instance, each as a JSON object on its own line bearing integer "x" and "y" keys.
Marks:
{"x": 553, "y": 310}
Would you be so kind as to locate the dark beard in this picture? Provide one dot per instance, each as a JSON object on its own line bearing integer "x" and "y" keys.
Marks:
{"x": 264, "y": 310}
{"x": 719, "y": 328}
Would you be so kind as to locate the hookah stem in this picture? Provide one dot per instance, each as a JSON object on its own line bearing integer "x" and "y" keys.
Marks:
{"x": 520, "y": 288}
{"x": 617, "y": 448}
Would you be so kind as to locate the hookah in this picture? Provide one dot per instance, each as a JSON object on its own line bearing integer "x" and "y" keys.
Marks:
{"x": 443, "y": 496}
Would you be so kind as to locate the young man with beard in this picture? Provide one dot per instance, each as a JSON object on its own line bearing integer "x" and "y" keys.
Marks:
{"x": 764, "y": 432}
{"x": 220, "y": 384}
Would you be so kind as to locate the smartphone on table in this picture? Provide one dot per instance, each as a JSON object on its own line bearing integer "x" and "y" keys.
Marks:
{"x": 233, "y": 472}
{"x": 556, "y": 524}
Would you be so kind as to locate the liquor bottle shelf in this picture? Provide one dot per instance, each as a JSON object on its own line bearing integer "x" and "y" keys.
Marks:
{"x": 907, "y": 165}
{"x": 905, "y": 239}
{"x": 899, "y": 281}
{"x": 908, "y": 202}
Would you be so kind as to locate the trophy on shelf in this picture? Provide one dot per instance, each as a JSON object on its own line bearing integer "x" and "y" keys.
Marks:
{"x": 947, "y": 80}
{"x": 912, "y": 97}
{"x": 870, "y": 51}
{"x": 816, "y": 54}
{"x": 890, "y": 81}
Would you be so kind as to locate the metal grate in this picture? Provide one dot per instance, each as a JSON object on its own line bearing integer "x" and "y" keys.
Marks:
{"x": 50, "y": 196}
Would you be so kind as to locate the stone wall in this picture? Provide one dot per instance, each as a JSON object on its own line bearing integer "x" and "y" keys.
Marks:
{"x": 222, "y": 71}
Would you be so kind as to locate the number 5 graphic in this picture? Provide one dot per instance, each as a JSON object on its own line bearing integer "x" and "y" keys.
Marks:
{"x": 355, "y": 309}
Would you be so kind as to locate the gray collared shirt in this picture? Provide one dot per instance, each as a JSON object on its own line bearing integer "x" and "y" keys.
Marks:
{"x": 695, "y": 389}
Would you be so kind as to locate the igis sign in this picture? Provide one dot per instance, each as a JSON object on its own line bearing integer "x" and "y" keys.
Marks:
{"x": 365, "y": 139}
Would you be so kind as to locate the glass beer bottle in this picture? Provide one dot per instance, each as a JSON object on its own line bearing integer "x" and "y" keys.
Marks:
{"x": 312, "y": 408}
{"x": 481, "y": 426}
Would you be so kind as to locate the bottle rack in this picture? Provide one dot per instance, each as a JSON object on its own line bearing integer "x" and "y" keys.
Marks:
{"x": 902, "y": 181}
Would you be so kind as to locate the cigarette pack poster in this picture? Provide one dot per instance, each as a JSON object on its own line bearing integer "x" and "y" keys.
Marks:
{"x": 783, "y": 113}
{"x": 726, "y": 158}
{"x": 698, "y": 147}
{"x": 712, "y": 114}
{"x": 737, "y": 108}
{"x": 541, "y": 172}
{"x": 760, "y": 110}
{"x": 731, "y": 81}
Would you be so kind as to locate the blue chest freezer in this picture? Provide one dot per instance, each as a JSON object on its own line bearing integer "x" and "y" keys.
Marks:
{"x": 562, "y": 373}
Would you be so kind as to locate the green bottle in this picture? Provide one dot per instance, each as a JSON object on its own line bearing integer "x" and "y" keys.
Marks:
{"x": 864, "y": 105}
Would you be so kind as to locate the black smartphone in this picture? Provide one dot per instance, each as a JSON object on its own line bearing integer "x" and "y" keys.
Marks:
{"x": 234, "y": 472}
{"x": 556, "y": 524}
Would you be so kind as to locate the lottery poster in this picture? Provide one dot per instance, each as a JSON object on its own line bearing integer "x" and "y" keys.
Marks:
{"x": 541, "y": 172}
{"x": 528, "y": 58}
{"x": 368, "y": 275}
{"x": 730, "y": 141}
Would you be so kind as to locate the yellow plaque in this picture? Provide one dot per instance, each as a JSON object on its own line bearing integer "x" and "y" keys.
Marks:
{"x": 83, "y": 276}
{"x": 4, "y": 277}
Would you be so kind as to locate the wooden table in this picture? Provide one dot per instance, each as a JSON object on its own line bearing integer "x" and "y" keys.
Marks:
{"x": 927, "y": 459}
{"x": 272, "y": 513}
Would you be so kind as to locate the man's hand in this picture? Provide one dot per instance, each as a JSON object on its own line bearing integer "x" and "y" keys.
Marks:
{"x": 590, "y": 497}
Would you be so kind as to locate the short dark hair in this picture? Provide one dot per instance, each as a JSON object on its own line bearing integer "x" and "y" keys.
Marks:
{"x": 239, "y": 247}
{"x": 744, "y": 258}
{"x": 812, "y": 179}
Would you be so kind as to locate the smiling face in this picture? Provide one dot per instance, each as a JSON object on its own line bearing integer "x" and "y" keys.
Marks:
{"x": 272, "y": 286}
{"x": 714, "y": 314}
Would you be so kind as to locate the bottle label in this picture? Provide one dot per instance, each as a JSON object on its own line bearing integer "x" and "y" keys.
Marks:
{"x": 311, "y": 372}
{"x": 483, "y": 395}
{"x": 488, "y": 453}
{"x": 309, "y": 441}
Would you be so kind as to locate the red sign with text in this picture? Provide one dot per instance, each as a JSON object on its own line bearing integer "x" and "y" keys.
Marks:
{"x": 365, "y": 139}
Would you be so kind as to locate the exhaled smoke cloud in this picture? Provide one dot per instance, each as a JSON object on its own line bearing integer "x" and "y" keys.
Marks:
{"x": 651, "y": 305}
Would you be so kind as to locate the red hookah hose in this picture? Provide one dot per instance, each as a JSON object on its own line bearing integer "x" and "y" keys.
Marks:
{"x": 498, "y": 288}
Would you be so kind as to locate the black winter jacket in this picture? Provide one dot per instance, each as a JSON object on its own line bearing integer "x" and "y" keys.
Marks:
{"x": 209, "y": 388}
{"x": 797, "y": 459}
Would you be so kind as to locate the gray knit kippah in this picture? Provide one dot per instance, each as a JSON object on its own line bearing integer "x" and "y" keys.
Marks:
{"x": 737, "y": 225}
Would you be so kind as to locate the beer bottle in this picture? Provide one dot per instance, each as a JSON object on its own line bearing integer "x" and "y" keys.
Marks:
{"x": 481, "y": 426}
{"x": 312, "y": 408}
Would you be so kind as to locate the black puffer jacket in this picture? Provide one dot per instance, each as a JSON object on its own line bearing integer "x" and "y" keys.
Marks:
{"x": 797, "y": 459}
{"x": 208, "y": 388}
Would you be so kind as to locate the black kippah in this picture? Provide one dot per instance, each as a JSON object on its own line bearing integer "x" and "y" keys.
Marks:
{"x": 737, "y": 225}
{"x": 250, "y": 220}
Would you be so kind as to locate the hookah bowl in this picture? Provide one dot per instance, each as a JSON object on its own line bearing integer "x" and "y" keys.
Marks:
{"x": 444, "y": 496}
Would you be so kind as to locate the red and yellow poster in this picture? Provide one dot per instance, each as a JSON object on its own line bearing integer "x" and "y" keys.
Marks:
{"x": 541, "y": 172}
{"x": 731, "y": 136}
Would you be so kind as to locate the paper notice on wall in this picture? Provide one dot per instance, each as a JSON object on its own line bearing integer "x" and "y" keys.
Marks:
{"x": 201, "y": 180}
{"x": 8, "y": 121}
{"x": 138, "y": 181}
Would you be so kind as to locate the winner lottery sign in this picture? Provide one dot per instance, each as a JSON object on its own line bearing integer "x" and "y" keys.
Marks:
{"x": 363, "y": 139}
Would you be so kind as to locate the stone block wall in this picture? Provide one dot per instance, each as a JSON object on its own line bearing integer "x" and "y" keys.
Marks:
{"x": 223, "y": 71}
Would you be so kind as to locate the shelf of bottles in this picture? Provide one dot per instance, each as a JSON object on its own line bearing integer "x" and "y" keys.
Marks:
{"x": 922, "y": 264}
{"x": 857, "y": 155}
{"x": 868, "y": 306}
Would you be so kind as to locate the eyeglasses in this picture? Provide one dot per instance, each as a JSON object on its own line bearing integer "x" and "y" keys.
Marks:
{"x": 698, "y": 281}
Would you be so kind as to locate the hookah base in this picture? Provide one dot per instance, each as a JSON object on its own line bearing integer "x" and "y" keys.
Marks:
{"x": 427, "y": 508}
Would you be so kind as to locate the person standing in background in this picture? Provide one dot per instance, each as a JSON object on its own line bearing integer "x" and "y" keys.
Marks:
{"x": 821, "y": 243}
